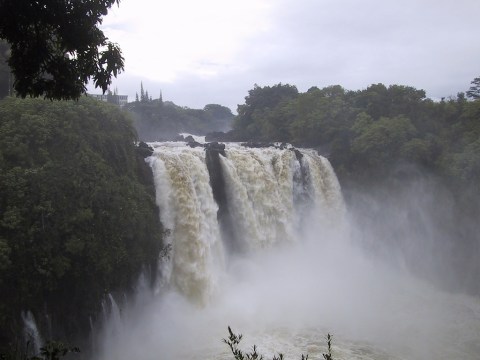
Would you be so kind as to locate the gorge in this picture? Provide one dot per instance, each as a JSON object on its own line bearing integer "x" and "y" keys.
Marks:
{"x": 260, "y": 239}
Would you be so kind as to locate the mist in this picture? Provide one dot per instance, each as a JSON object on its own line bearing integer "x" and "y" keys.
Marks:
{"x": 376, "y": 272}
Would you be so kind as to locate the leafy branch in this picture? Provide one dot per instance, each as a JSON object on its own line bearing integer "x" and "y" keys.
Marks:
{"x": 53, "y": 350}
{"x": 233, "y": 341}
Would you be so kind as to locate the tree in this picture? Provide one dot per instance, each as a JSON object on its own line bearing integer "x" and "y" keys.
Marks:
{"x": 260, "y": 99}
{"x": 379, "y": 143}
{"x": 142, "y": 92}
{"x": 474, "y": 91}
{"x": 78, "y": 217}
{"x": 218, "y": 111}
{"x": 320, "y": 115}
{"x": 56, "y": 46}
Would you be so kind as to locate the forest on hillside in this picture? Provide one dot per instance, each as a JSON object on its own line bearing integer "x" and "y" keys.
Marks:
{"x": 366, "y": 133}
{"x": 156, "y": 120}
{"x": 78, "y": 218}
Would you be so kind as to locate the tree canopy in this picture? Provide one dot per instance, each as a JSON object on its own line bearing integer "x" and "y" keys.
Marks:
{"x": 376, "y": 128}
{"x": 474, "y": 91}
{"x": 78, "y": 215}
{"x": 259, "y": 100}
{"x": 56, "y": 46}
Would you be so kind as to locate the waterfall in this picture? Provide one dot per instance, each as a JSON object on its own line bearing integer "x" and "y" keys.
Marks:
{"x": 267, "y": 193}
{"x": 189, "y": 213}
{"x": 260, "y": 240}
{"x": 32, "y": 334}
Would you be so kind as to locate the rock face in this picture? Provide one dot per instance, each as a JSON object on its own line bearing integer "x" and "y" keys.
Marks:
{"x": 194, "y": 144}
{"x": 213, "y": 151}
{"x": 144, "y": 150}
{"x": 298, "y": 155}
{"x": 215, "y": 147}
{"x": 178, "y": 137}
{"x": 256, "y": 145}
{"x": 259, "y": 145}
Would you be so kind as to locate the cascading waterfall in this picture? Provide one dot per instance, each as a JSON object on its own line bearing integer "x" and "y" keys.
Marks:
{"x": 269, "y": 191}
{"x": 260, "y": 240}
{"x": 32, "y": 334}
{"x": 189, "y": 213}
{"x": 268, "y": 194}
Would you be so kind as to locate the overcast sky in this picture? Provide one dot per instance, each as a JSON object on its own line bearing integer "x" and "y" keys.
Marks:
{"x": 214, "y": 51}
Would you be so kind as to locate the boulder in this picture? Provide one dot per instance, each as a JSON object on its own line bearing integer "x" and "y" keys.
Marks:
{"x": 257, "y": 145}
{"x": 193, "y": 143}
{"x": 144, "y": 149}
{"x": 215, "y": 147}
{"x": 298, "y": 154}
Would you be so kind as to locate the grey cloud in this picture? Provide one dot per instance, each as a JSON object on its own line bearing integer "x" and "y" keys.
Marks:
{"x": 431, "y": 45}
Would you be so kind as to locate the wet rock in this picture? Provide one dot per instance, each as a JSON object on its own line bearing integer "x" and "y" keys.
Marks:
{"x": 144, "y": 150}
{"x": 213, "y": 151}
{"x": 298, "y": 154}
{"x": 257, "y": 145}
{"x": 215, "y": 147}
{"x": 194, "y": 144}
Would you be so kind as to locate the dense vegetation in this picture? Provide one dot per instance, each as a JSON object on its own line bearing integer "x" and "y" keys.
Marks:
{"x": 156, "y": 119}
{"x": 366, "y": 132}
{"x": 78, "y": 217}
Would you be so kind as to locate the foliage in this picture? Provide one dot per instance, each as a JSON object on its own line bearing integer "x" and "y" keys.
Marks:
{"x": 380, "y": 141}
{"x": 57, "y": 46}
{"x": 233, "y": 342}
{"x": 369, "y": 132}
{"x": 78, "y": 216}
{"x": 328, "y": 355}
{"x": 53, "y": 350}
{"x": 474, "y": 91}
{"x": 259, "y": 101}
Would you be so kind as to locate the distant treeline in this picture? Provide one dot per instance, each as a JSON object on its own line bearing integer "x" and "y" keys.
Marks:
{"x": 157, "y": 120}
